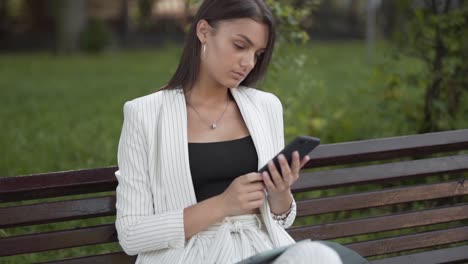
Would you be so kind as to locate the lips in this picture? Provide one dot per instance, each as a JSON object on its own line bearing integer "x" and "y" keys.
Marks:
{"x": 239, "y": 75}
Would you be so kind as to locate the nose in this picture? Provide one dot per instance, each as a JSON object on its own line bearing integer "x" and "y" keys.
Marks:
{"x": 248, "y": 60}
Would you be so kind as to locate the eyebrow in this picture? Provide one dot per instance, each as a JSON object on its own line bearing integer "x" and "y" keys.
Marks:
{"x": 249, "y": 41}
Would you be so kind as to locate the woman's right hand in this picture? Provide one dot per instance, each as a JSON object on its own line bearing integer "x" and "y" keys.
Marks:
{"x": 244, "y": 194}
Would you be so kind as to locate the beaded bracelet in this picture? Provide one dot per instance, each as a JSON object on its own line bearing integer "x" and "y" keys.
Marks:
{"x": 282, "y": 217}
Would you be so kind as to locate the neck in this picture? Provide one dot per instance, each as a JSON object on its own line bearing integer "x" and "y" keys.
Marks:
{"x": 207, "y": 92}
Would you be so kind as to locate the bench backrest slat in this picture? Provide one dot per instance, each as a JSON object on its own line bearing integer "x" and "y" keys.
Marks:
{"x": 380, "y": 173}
{"x": 57, "y": 184}
{"x": 57, "y": 240}
{"x": 380, "y": 198}
{"x": 56, "y": 211}
{"x": 409, "y": 242}
{"x": 110, "y": 258}
{"x": 446, "y": 255}
{"x": 389, "y": 148}
{"x": 381, "y": 223}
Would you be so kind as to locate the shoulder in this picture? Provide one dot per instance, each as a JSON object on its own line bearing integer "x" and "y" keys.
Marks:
{"x": 267, "y": 99}
{"x": 143, "y": 102}
{"x": 148, "y": 104}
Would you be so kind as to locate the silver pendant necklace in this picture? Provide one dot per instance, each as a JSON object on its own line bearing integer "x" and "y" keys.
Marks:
{"x": 214, "y": 124}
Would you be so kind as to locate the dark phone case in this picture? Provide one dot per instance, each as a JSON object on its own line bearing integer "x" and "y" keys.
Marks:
{"x": 303, "y": 144}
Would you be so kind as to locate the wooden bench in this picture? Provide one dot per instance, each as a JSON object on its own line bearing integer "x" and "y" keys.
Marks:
{"x": 397, "y": 200}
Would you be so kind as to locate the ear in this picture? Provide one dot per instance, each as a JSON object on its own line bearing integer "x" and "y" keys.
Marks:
{"x": 203, "y": 30}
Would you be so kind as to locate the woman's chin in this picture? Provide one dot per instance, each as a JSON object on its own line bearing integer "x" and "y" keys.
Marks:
{"x": 232, "y": 83}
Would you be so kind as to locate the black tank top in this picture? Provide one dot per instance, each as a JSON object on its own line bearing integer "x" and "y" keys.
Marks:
{"x": 214, "y": 165}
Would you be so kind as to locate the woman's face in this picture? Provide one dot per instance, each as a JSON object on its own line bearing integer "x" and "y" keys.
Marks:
{"x": 232, "y": 49}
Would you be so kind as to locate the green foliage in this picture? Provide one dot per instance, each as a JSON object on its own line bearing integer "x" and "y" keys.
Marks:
{"x": 289, "y": 64}
{"x": 289, "y": 18}
{"x": 96, "y": 36}
{"x": 436, "y": 35}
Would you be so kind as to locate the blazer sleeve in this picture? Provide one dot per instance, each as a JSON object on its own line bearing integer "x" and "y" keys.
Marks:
{"x": 275, "y": 113}
{"x": 139, "y": 228}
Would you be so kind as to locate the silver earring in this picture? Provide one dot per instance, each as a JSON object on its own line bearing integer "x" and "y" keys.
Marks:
{"x": 204, "y": 50}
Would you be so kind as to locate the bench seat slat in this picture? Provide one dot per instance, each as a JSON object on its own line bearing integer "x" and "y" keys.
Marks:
{"x": 446, "y": 255}
{"x": 113, "y": 258}
{"x": 57, "y": 184}
{"x": 380, "y": 173}
{"x": 57, "y": 240}
{"x": 56, "y": 211}
{"x": 380, "y": 224}
{"x": 409, "y": 242}
{"x": 380, "y": 198}
{"x": 388, "y": 148}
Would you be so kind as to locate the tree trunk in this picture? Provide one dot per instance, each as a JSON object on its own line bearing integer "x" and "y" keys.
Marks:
{"x": 371, "y": 31}
{"x": 433, "y": 90}
{"x": 124, "y": 20}
{"x": 71, "y": 18}
{"x": 3, "y": 17}
{"x": 388, "y": 16}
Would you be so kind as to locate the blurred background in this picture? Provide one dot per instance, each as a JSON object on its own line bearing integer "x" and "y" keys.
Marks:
{"x": 344, "y": 70}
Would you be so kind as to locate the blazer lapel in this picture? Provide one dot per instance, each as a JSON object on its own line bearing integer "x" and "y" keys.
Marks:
{"x": 174, "y": 151}
{"x": 256, "y": 124}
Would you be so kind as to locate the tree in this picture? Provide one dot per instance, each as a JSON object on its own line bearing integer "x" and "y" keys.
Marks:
{"x": 436, "y": 34}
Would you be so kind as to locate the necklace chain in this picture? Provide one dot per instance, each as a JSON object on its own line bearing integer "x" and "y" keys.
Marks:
{"x": 214, "y": 124}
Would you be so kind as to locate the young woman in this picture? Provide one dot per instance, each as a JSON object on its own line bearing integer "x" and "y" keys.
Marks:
{"x": 188, "y": 156}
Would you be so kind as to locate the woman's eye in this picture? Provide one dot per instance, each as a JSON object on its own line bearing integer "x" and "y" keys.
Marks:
{"x": 239, "y": 46}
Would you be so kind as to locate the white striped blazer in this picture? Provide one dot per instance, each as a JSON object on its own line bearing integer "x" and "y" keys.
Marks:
{"x": 154, "y": 180}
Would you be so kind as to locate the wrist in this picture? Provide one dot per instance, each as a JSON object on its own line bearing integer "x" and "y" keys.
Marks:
{"x": 219, "y": 208}
{"x": 280, "y": 196}
{"x": 280, "y": 202}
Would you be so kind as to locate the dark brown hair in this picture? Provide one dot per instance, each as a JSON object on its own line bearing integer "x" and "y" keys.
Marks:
{"x": 214, "y": 11}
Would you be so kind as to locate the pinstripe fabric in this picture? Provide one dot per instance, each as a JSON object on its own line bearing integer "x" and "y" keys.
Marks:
{"x": 155, "y": 183}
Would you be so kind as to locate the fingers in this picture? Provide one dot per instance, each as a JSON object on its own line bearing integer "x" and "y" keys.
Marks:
{"x": 286, "y": 171}
{"x": 256, "y": 204}
{"x": 296, "y": 163}
{"x": 275, "y": 175}
{"x": 276, "y": 182}
{"x": 254, "y": 196}
{"x": 255, "y": 186}
{"x": 268, "y": 182}
{"x": 305, "y": 160}
{"x": 251, "y": 177}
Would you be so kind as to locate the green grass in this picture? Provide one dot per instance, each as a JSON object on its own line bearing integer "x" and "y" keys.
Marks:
{"x": 64, "y": 113}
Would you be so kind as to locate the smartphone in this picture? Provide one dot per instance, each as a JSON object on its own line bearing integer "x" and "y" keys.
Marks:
{"x": 303, "y": 144}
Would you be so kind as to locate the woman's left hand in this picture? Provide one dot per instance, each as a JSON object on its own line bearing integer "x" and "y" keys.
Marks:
{"x": 279, "y": 184}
